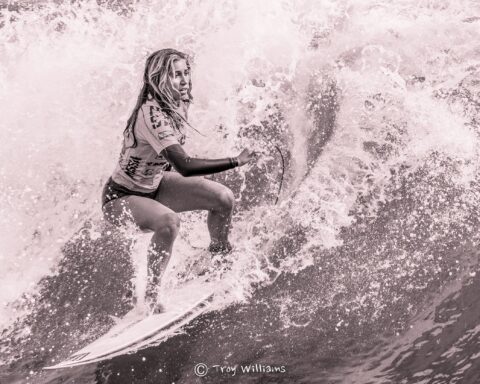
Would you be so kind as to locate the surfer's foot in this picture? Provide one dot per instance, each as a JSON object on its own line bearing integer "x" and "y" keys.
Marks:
{"x": 220, "y": 248}
{"x": 154, "y": 307}
{"x": 151, "y": 300}
{"x": 157, "y": 308}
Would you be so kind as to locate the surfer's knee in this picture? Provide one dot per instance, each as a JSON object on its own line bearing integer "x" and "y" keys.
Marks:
{"x": 167, "y": 225}
{"x": 225, "y": 200}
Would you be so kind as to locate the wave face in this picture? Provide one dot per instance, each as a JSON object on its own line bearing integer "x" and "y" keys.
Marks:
{"x": 366, "y": 115}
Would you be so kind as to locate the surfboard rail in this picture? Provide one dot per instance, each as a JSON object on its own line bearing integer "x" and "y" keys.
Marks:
{"x": 84, "y": 356}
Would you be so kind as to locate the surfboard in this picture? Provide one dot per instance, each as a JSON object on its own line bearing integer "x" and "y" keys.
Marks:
{"x": 135, "y": 332}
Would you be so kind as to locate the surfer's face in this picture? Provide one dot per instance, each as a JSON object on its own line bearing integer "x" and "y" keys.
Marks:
{"x": 180, "y": 80}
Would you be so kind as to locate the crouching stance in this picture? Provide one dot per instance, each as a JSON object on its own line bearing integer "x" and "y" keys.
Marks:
{"x": 143, "y": 188}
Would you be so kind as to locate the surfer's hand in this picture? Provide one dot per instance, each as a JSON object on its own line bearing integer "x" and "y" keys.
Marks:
{"x": 246, "y": 156}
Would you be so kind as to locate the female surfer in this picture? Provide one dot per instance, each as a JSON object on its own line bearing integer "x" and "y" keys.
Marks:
{"x": 144, "y": 190}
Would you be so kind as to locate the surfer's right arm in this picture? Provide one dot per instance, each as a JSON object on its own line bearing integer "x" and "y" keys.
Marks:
{"x": 189, "y": 166}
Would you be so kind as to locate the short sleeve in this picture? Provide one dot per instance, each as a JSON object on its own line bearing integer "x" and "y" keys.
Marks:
{"x": 155, "y": 127}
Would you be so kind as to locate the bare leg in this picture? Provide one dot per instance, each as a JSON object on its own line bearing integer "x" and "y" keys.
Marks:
{"x": 159, "y": 254}
{"x": 219, "y": 223}
{"x": 148, "y": 214}
{"x": 197, "y": 193}
{"x": 176, "y": 194}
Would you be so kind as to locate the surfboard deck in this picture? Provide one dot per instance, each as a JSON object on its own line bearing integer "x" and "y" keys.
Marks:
{"x": 135, "y": 332}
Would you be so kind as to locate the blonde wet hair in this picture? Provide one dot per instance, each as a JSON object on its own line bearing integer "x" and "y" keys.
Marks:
{"x": 157, "y": 84}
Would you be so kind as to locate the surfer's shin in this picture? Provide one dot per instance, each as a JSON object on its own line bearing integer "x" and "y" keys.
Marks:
{"x": 157, "y": 263}
{"x": 161, "y": 247}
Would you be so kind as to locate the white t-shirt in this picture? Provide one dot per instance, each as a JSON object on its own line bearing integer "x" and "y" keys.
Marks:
{"x": 141, "y": 168}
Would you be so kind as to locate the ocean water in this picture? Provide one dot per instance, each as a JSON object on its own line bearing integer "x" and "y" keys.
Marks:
{"x": 366, "y": 114}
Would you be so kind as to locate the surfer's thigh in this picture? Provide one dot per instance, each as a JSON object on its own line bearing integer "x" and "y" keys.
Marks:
{"x": 146, "y": 213}
{"x": 181, "y": 193}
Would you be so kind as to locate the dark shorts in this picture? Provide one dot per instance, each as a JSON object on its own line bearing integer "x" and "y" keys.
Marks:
{"x": 113, "y": 191}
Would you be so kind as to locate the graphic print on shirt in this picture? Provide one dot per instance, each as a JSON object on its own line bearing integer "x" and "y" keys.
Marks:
{"x": 155, "y": 116}
{"x": 157, "y": 120}
{"x": 132, "y": 165}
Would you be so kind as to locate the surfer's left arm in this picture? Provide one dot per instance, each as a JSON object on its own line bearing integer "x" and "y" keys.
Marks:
{"x": 159, "y": 132}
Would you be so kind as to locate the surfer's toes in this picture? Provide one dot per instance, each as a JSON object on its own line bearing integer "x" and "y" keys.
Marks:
{"x": 220, "y": 248}
{"x": 152, "y": 303}
{"x": 156, "y": 308}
